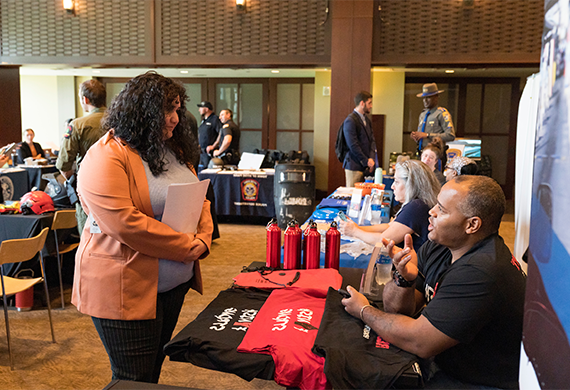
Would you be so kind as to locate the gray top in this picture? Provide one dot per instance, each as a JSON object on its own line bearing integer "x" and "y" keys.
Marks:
{"x": 170, "y": 273}
{"x": 439, "y": 124}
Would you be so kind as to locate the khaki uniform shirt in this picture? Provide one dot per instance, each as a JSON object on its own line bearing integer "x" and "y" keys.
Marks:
{"x": 81, "y": 134}
{"x": 439, "y": 124}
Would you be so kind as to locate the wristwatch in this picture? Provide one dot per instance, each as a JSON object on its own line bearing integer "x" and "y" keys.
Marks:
{"x": 400, "y": 281}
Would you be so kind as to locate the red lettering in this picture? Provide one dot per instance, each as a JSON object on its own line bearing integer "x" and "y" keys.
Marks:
{"x": 515, "y": 263}
{"x": 380, "y": 343}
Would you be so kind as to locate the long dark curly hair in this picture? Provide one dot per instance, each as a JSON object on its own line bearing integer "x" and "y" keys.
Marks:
{"x": 137, "y": 114}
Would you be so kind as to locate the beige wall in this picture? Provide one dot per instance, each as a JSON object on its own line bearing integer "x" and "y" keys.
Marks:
{"x": 321, "y": 134}
{"x": 388, "y": 90}
{"x": 46, "y": 102}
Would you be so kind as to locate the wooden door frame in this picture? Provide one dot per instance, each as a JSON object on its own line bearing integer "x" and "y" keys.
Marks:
{"x": 212, "y": 82}
{"x": 273, "y": 108}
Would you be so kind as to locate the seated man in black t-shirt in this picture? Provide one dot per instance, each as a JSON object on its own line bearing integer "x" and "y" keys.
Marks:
{"x": 472, "y": 288}
{"x": 227, "y": 144}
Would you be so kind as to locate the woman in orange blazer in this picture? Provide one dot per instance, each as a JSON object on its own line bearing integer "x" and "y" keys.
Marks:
{"x": 132, "y": 272}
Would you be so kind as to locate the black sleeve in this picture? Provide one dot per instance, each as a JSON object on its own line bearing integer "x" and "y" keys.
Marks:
{"x": 40, "y": 150}
{"x": 22, "y": 153}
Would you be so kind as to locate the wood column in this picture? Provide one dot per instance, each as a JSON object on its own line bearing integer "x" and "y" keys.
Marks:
{"x": 10, "y": 109}
{"x": 351, "y": 58}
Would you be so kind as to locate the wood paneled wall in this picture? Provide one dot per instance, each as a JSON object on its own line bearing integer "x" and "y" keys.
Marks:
{"x": 10, "y": 119}
{"x": 350, "y": 64}
{"x": 457, "y": 32}
{"x": 165, "y": 32}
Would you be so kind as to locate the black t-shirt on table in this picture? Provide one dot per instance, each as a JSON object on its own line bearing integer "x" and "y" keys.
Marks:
{"x": 211, "y": 340}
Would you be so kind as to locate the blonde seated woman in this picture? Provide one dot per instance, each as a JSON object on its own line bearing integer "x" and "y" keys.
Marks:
{"x": 416, "y": 187}
{"x": 432, "y": 154}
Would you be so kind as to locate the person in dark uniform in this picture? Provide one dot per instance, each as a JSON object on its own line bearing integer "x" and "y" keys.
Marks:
{"x": 227, "y": 145}
{"x": 207, "y": 132}
{"x": 434, "y": 121}
{"x": 29, "y": 148}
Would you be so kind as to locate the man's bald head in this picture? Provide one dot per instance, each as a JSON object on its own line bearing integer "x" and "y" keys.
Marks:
{"x": 483, "y": 198}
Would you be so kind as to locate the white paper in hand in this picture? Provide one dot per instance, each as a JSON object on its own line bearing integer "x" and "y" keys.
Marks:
{"x": 183, "y": 205}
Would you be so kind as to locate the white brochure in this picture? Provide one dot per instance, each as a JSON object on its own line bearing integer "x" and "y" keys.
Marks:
{"x": 183, "y": 205}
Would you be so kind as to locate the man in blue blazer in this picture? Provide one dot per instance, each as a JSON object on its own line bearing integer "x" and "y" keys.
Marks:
{"x": 359, "y": 138}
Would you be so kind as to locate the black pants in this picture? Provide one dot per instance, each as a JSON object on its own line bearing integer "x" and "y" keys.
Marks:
{"x": 135, "y": 348}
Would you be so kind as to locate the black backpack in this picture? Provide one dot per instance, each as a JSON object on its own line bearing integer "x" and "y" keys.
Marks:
{"x": 341, "y": 148}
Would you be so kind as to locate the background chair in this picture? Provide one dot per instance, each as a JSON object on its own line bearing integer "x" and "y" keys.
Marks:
{"x": 63, "y": 219}
{"x": 14, "y": 251}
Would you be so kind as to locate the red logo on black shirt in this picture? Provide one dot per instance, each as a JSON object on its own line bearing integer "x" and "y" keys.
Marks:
{"x": 381, "y": 343}
{"x": 515, "y": 262}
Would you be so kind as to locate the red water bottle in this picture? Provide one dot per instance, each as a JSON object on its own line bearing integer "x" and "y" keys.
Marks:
{"x": 332, "y": 247}
{"x": 304, "y": 265}
{"x": 313, "y": 248}
{"x": 273, "y": 245}
{"x": 292, "y": 246}
{"x": 300, "y": 250}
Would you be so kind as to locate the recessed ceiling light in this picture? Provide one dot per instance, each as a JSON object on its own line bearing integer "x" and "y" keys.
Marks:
{"x": 184, "y": 71}
{"x": 275, "y": 71}
{"x": 96, "y": 71}
{"x": 449, "y": 71}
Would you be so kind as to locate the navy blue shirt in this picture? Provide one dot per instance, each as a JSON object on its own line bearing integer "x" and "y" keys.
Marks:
{"x": 208, "y": 131}
{"x": 414, "y": 215}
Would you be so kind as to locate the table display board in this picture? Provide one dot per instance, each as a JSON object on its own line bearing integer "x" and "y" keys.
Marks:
{"x": 14, "y": 183}
{"x": 35, "y": 173}
{"x": 243, "y": 193}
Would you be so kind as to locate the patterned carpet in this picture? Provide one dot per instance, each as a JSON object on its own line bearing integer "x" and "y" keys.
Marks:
{"x": 78, "y": 359}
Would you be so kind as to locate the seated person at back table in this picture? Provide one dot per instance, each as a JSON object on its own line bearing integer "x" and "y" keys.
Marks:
{"x": 433, "y": 153}
{"x": 416, "y": 187}
{"x": 458, "y": 166}
{"x": 29, "y": 148}
{"x": 472, "y": 288}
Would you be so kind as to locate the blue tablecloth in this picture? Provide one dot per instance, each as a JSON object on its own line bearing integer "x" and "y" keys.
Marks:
{"x": 244, "y": 193}
{"x": 14, "y": 183}
{"x": 35, "y": 175}
{"x": 329, "y": 208}
{"x": 348, "y": 261}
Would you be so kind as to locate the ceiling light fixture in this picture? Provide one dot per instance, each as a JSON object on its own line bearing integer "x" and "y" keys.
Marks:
{"x": 240, "y": 6}
{"x": 449, "y": 71}
{"x": 275, "y": 71}
{"x": 184, "y": 71}
{"x": 69, "y": 6}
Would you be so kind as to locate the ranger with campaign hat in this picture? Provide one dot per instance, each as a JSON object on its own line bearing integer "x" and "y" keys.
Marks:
{"x": 434, "y": 121}
{"x": 207, "y": 132}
